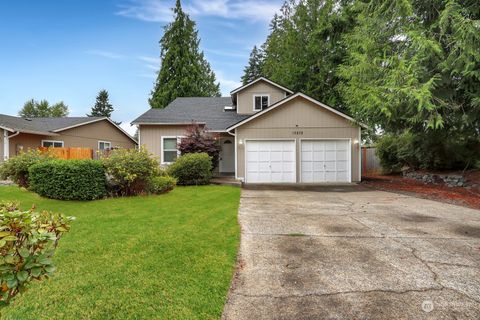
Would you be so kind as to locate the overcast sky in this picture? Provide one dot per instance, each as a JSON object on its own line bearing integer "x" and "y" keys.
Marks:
{"x": 69, "y": 50}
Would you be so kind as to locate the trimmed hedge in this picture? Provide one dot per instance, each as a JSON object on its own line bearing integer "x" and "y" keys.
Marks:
{"x": 161, "y": 184}
{"x": 68, "y": 179}
{"x": 192, "y": 169}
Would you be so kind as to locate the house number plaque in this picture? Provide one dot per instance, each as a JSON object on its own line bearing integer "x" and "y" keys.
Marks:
{"x": 297, "y": 133}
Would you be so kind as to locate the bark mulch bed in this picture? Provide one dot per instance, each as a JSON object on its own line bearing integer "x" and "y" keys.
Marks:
{"x": 396, "y": 183}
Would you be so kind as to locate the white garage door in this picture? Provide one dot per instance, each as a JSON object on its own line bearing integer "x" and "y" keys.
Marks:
{"x": 270, "y": 161}
{"x": 325, "y": 161}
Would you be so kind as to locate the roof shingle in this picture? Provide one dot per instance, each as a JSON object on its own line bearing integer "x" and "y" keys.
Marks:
{"x": 208, "y": 110}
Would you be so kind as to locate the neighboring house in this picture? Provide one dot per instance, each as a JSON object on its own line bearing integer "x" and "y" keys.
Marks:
{"x": 97, "y": 133}
{"x": 268, "y": 134}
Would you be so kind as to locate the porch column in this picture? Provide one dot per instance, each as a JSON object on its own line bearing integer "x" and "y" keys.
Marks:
{"x": 6, "y": 145}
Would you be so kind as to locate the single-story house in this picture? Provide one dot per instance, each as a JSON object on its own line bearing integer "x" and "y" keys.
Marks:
{"x": 96, "y": 133}
{"x": 268, "y": 134}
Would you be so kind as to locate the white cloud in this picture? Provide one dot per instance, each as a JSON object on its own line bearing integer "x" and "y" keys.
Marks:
{"x": 227, "y": 53}
{"x": 129, "y": 128}
{"x": 106, "y": 54}
{"x": 159, "y": 10}
{"x": 152, "y": 60}
{"x": 152, "y": 63}
{"x": 147, "y": 10}
{"x": 226, "y": 85}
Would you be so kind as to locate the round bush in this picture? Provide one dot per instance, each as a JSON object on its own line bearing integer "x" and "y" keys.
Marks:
{"x": 192, "y": 169}
{"x": 161, "y": 184}
{"x": 68, "y": 179}
{"x": 129, "y": 171}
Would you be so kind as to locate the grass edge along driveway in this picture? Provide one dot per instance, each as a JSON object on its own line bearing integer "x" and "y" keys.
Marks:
{"x": 155, "y": 257}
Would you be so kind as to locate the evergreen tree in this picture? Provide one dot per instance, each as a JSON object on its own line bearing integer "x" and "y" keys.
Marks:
{"x": 42, "y": 109}
{"x": 184, "y": 70}
{"x": 304, "y": 47}
{"x": 102, "y": 107}
{"x": 254, "y": 68}
{"x": 413, "y": 70}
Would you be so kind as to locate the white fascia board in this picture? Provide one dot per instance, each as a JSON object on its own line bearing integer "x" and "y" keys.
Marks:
{"x": 260, "y": 79}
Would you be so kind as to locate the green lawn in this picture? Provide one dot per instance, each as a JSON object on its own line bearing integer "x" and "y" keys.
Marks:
{"x": 157, "y": 257}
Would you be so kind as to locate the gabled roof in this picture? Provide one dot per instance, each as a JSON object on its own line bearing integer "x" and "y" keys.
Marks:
{"x": 261, "y": 79}
{"x": 50, "y": 126}
{"x": 285, "y": 100}
{"x": 203, "y": 110}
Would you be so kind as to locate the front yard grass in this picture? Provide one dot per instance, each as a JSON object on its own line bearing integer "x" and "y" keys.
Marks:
{"x": 157, "y": 257}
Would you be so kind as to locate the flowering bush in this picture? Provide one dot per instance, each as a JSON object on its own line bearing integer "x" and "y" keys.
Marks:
{"x": 129, "y": 171}
{"x": 16, "y": 168}
{"x": 28, "y": 240}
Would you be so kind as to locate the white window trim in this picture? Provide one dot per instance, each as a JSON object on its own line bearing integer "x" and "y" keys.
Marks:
{"x": 101, "y": 141}
{"x": 260, "y": 95}
{"x": 53, "y": 142}
{"x": 163, "y": 149}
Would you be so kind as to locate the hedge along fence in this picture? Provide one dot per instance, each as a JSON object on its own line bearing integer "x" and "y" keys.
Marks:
{"x": 68, "y": 179}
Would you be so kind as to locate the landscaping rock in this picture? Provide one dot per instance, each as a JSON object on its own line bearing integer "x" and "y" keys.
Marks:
{"x": 450, "y": 180}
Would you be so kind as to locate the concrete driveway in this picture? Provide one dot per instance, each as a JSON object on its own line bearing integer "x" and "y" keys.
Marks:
{"x": 353, "y": 253}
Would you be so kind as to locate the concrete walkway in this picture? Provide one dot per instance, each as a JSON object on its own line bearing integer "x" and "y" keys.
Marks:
{"x": 354, "y": 253}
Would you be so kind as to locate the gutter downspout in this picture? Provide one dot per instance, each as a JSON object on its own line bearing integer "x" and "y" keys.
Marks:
{"x": 6, "y": 143}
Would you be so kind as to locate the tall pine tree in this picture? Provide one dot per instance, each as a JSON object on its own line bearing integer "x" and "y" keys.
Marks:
{"x": 413, "y": 70}
{"x": 304, "y": 48}
{"x": 254, "y": 68}
{"x": 102, "y": 107}
{"x": 184, "y": 71}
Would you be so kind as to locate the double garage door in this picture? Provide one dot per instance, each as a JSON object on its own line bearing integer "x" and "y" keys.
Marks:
{"x": 275, "y": 161}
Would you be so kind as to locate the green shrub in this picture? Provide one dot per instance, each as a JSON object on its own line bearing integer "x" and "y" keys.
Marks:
{"x": 16, "y": 168}
{"x": 161, "y": 184}
{"x": 28, "y": 240}
{"x": 192, "y": 169}
{"x": 68, "y": 179}
{"x": 129, "y": 171}
{"x": 429, "y": 150}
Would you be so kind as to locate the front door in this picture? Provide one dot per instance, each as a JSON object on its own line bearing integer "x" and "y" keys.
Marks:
{"x": 227, "y": 155}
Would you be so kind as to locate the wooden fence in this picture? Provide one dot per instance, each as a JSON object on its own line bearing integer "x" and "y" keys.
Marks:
{"x": 370, "y": 161}
{"x": 69, "y": 153}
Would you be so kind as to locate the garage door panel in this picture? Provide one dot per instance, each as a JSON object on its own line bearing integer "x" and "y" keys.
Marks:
{"x": 318, "y": 165}
{"x": 330, "y": 166}
{"x": 342, "y": 176}
{"x": 325, "y": 161}
{"x": 276, "y": 156}
{"x": 275, "y": 161}
{"x": 307, "y": 156}
{"x": 342, "y": 165}
{"x": 330, "y": 155}
{"x": 342, "y": 155}
{"x": 318, "y": 155}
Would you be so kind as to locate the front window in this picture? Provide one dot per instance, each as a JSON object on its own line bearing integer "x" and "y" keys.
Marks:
{"x": 170, "y": 151}
{"x": 104, "y": 145}
{"x": 52, "y": 144}
{"x": 260, "y": 102}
